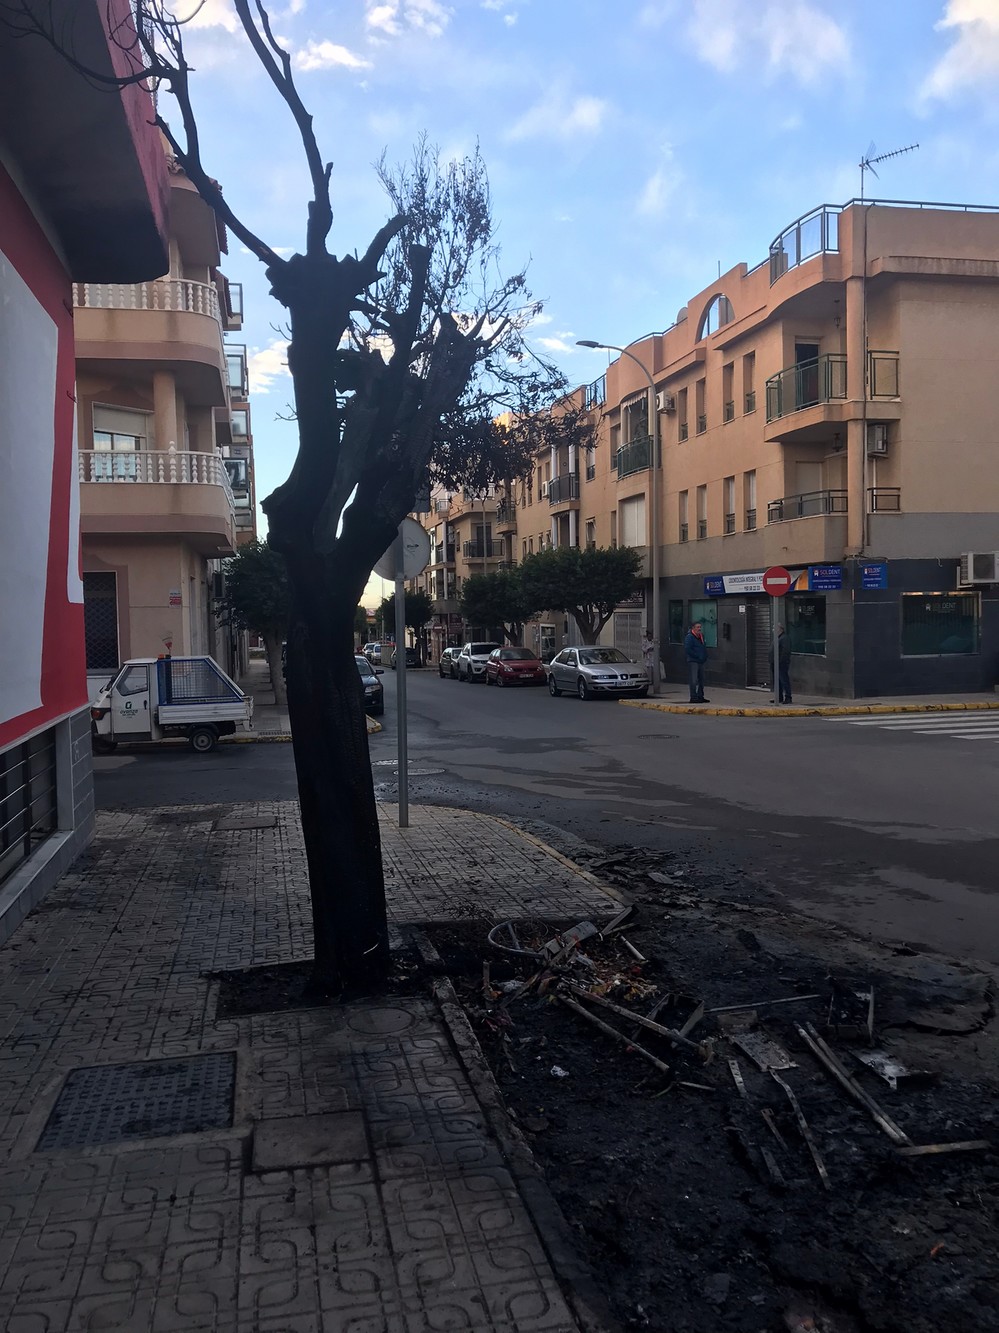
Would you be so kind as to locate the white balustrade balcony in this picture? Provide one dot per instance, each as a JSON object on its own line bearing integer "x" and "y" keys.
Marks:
{"x": 193, "y": 298}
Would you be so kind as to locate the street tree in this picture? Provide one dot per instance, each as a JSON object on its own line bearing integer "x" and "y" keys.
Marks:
{"x": 418, "y": 611}
{"x": 402, "y": 354}
{"x": 585, "y": 584}
{"x": 256, "y": 597}
{"x": 498, "y": 601}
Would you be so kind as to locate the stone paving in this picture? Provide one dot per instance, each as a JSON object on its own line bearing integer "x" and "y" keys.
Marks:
{"x": 352, "y": 1184}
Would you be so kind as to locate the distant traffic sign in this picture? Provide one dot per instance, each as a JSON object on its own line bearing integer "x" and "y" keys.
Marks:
{"x": 777, "y": 581}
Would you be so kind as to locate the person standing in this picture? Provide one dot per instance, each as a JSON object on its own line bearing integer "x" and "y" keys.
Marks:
{"x": 648, "y": 652}
{"x": 782, "y": 667}
{"x": 696, "y": 653}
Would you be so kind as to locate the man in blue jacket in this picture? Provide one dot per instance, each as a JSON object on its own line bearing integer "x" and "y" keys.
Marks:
{"x": 696, "y": 653}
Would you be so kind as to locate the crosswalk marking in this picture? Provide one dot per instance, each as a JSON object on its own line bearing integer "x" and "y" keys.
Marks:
{"x": 957, "y": 725}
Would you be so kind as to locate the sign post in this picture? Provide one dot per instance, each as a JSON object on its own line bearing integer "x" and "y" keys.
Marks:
{"x": 776, "y": 583}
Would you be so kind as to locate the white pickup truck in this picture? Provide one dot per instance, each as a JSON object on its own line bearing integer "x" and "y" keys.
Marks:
{"x": 160, "y": 698}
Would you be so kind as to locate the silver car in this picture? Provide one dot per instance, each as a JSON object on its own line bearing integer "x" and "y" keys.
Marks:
{"x": 592, "y": 671}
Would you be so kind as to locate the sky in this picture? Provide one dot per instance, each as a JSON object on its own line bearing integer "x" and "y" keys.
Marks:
{"x": 632, "y": 147}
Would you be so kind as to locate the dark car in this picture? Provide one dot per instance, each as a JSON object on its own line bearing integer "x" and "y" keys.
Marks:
{"x": 374, "y": 695}
{"x": 514, "y": 666}
{"x": 412, "y": 658}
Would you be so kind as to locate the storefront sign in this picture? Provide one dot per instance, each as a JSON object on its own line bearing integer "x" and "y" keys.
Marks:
{"x": 825, "y": 578}
{"x": 717, "y": 585}
{"x": 175, "y": 599}
{"x": 874, "y": 576}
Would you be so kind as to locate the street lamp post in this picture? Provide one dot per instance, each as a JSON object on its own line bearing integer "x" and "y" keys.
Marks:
{"x": 653, "y": 502}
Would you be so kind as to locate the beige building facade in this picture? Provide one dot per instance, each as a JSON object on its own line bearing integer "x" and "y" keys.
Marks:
{"x": 165, "y": 475}
{"x": 829, "y": 410}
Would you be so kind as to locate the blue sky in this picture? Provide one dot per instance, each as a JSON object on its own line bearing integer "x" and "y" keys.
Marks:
{"x": 631, "y": 146}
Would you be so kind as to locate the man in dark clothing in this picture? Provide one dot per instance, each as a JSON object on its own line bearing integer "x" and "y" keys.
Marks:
{"x": 783, "y": 667}
{"x": 696, "y": 653}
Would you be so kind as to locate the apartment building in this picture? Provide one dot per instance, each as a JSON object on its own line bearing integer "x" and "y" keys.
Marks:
{"x": 828, "y": 410}
{"x": 467, "y": 536}
{"x": 83, "y": 197}
{"x": 157, "y": 387}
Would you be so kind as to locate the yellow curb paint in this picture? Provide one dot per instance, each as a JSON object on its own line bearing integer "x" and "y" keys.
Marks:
{"x": 818, "y": 710}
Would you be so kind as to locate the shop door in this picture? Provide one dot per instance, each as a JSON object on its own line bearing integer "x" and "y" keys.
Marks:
{"x": 759, "y": 638}
{"x": 628, "y": 633}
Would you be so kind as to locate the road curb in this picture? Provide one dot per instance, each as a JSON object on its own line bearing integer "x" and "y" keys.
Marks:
{"x": 558, "y": 856}
{"x": 817, "y": 710}
{"x": 262, "y": 738}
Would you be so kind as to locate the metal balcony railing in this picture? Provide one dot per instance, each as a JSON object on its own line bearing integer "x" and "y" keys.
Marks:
{"x": 750, "y": 520}
{"x": 815, "y": 233}
{"x": 167, "y": 467}
{"x": 194, "y": 298}
{"x": 729, "y": 413}
{"x": 750, "y": 401}
{"x": 479, "y": 550}
{"x": 506, "y": 512}
{"x": 684, "y": 532}
{"x": 596, "y": 393}
{"x": 702, "y": 423}
{"x": 810, "y": 504}
{"x": 591, "y": 471}
{"x": 702, "y": 529}
{"x": 565, "y": 487}
{"x": 442, "y": 506}
{"x": 884, "y": 500}
{"x": 682, "y": 431}
{"x": 443, "y": 555}
{"x": 806, "y": 384}
{"x": 729, "y": 524}
{"x": 634, "y": 457}
{"x": 882, "y": 374}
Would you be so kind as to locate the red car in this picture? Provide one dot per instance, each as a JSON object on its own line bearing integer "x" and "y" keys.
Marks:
{"x": 514, "y": 666}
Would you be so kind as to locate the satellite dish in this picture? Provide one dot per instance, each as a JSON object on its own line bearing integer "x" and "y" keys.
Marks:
{"x": 415, "y": 552}
{"x": 681, "y": 314}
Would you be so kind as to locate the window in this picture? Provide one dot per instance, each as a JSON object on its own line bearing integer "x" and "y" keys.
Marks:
{"x": 100, "y": 619}
{"x": 118, "y": 437}
{"x": 749, "y": 498}
{"x": 707, "y": 614}
{"x": 805, "y": 622}
{"x": 749, "y": 382}
{"x": 940, "y": 624}
{"x": 525, "y": 546}
{"x": 728, "y": 392}
{"x": 729, "y": 492}
{"x": 591, "y": 533}
{"x": 235, "y": 364}
{"x": 684, "y": 499}
{"x": 633, "y": 521}
{"x": 702, "y": 512}
{"x": 636, "y": 416}
{"x": 134, "y": 680}
{"x": 681, "y": 415}
{"x": 700, "y": 409}
{"x": 238, "y": 473}
{"x": 240, "y": 422}
{"x": 530, "y": 545}
{"x": 674, "y": 613}
{"x": 718, "y": 313}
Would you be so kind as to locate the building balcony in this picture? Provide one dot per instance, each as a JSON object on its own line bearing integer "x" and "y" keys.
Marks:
{"x": 170, "y": 324}
{"x": 811, "y": 504}
{"x": 442, "y": 555}
{"x": 445, "y": 606}
{"x": 506, "y": 515}
{"x": 481, "y": 551}
{"x": 634, "y": 457}
{"x": 564, "y": 489}
{"x": 165, "y": 492}
{"x": 884, "y": 500}
{"x": 805, "y": 400}
{"x": 806, "y": 384}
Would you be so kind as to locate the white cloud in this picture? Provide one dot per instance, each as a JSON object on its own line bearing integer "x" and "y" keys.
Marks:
{"x": 509, "y": 19}
{"x": 660, "y": 187}
{"x": 388, "y": 18}
{"x": 781, "y": 37}
{"x": 557, "y": 345}
{"x": 208, "y": 14}
{"x": 972, "y": 60}
{"x": 560, "y": 116}
{"x": 267, "y": 364}
{"x": 328, "y": 55}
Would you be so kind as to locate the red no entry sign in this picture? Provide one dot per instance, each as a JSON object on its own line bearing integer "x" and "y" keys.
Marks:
{"x": 776, "y": 581}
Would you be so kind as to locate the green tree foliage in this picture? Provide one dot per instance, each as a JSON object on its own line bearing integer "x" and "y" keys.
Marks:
{"x": 586, "y": 584}
{"x": 498, "y": 601}
{"x": 257, "y": 598}
{"x": 419, "y": 610}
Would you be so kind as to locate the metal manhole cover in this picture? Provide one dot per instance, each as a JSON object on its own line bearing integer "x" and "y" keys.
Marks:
{"x": 151, "y": 1099}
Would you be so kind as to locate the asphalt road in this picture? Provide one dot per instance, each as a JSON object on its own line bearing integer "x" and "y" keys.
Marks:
{"x": 888, "y": 830}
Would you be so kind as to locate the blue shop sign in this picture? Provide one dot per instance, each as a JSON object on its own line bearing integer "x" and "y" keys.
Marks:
{"x": 714, "y": 585}
{"x": 874, "y": 576}
{"x": 825, "y": 578}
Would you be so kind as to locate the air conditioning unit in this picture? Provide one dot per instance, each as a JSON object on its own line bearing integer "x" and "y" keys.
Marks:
{"x": 545, "y": 486}
{"x": 666, "y": 402}
{"x": 979, "y": 567}
{"x": 877, "y": 439}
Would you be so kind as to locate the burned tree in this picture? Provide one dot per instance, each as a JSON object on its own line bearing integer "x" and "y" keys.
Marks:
{"x": 409, "y": 347}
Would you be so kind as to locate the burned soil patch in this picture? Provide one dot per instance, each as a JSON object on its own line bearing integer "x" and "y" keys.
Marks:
{"x": 698, "y": 1202}
{"x": 281, "y": 986}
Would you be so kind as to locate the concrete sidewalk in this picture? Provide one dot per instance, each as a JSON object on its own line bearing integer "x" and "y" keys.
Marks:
{"x": 725, "y": 702}
{"x": 320, "y": 1170}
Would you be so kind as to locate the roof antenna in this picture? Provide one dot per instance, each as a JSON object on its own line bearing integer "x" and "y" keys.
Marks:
{"x": 868, "y": 160}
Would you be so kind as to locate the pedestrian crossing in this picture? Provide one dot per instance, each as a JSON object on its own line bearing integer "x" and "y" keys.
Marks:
{"x": 955, "y": 725}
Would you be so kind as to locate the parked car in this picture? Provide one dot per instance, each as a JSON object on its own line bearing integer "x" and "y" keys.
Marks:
{"x": 591, "y": 671}
{"x": 412, "y": 658}
{"x": 514, "y": 666}
{"x": 373, "y": 652}
{"x": 472, "y": 661}
{"x": 446, "y": 665}
{"x": 374, "y": 694}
